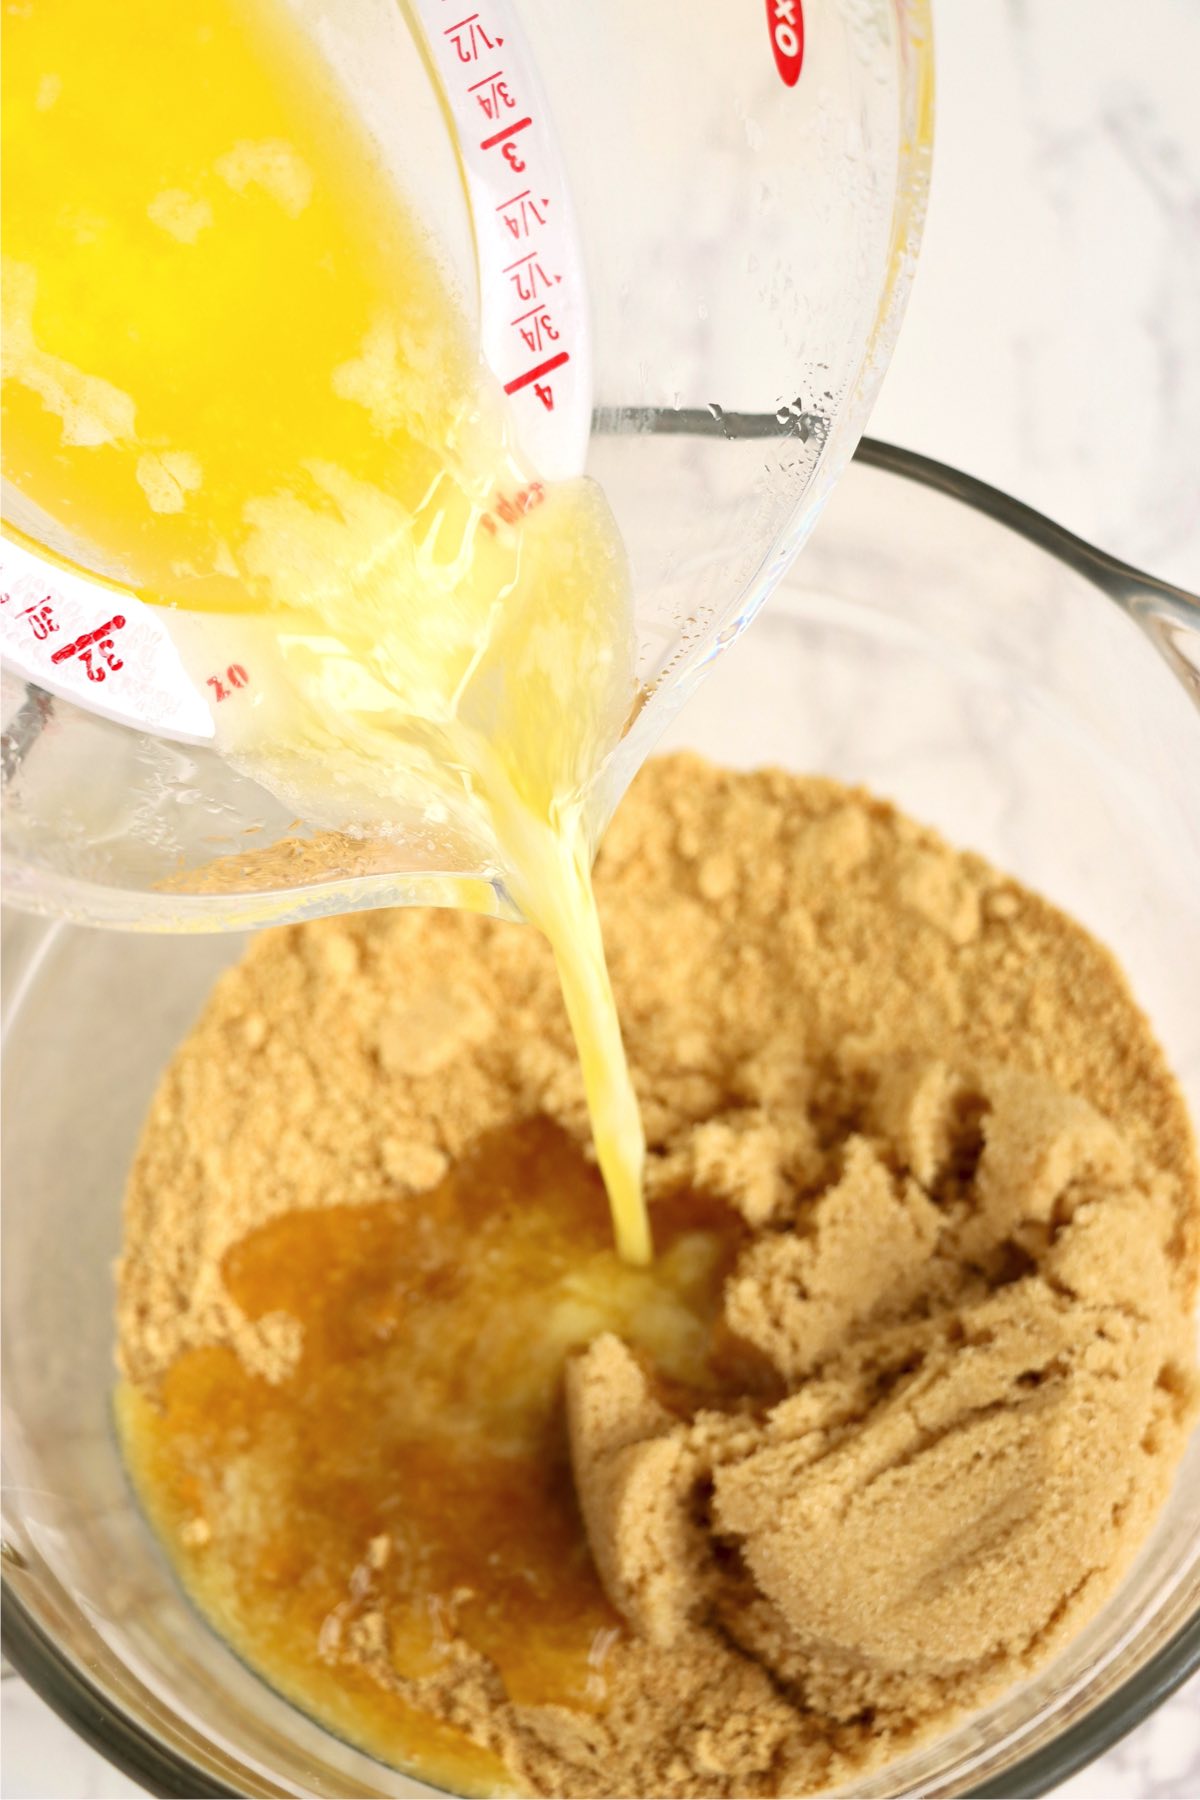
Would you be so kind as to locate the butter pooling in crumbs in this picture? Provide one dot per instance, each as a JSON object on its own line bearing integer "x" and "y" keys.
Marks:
{"x": 971, "y": 1196}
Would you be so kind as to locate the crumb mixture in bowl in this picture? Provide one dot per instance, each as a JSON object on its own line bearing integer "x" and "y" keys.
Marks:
{"x": 880, "y": 1428}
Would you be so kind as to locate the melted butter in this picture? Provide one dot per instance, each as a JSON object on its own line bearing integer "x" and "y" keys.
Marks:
{"x": 236, "y": 378}
{"x": 425, "y": 1410}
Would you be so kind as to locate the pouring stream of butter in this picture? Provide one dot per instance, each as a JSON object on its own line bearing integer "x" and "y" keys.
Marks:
{"x": 234, "y": 374}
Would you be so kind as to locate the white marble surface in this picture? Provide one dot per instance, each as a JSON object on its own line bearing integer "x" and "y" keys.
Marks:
{"x": 1053, "y": 348}
{"x": 1052, "y": 344}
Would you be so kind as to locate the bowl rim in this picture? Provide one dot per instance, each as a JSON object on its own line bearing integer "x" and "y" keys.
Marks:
{"x": 133, "y": 1749}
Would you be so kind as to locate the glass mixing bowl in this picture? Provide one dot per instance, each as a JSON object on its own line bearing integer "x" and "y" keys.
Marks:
{"x": 1029, "y": 696}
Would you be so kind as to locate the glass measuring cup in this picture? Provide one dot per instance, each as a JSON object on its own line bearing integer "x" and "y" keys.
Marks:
{"x": 729, "y": 211}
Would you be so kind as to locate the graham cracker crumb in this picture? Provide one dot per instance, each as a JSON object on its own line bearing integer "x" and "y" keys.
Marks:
{"x": 970, "y": 1196}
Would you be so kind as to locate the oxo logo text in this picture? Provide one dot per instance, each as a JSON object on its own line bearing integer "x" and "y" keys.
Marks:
{"x": 785, "y": 19}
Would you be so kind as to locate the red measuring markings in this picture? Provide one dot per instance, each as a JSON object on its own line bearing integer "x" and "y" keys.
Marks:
{"x": 469, "y": 37}
{"x": 235, "y": 675}
{"x": 522, "y": 212}
{"x": 88, "y": 637}
{"x": 512, "y": 510}
{"x": 491, "y": 93}
{"x": 41, "y": 619}
{"x": 527, "y": 276}
{"x": 498, "y": 137}
{"x": 533, "y": 301}
{"x": 544, "y": 393}
{"x": 537, "y": 327}
{"x": 94, "y": 649}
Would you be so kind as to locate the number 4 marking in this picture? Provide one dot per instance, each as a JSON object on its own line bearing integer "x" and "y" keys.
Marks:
{"x": 545, "y": 394}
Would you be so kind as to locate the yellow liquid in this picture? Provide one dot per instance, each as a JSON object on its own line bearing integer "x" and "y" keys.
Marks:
{"x": 426, "y": 1409}
{"x": 235, "y": 375}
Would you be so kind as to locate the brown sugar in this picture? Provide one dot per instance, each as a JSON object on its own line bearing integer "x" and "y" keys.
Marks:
{"x": 881, "y": 1429}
